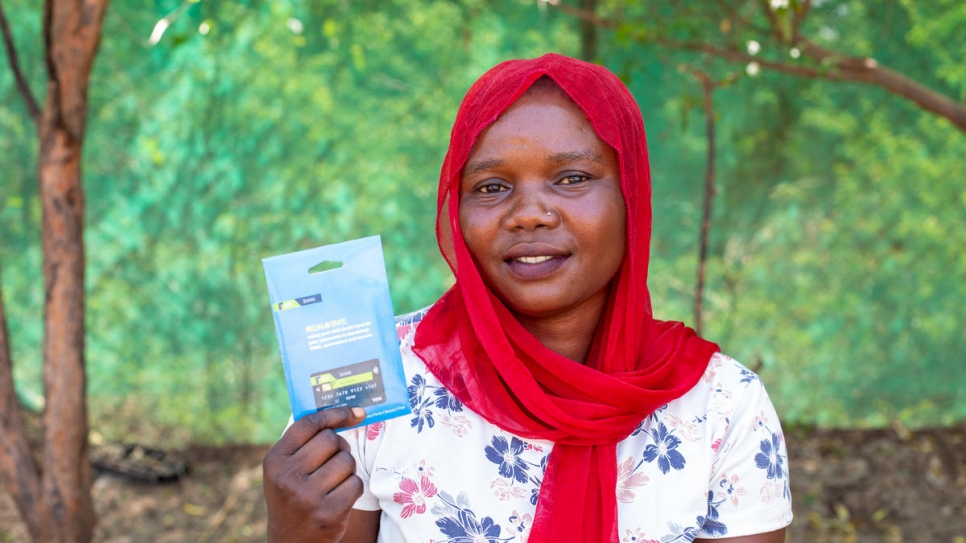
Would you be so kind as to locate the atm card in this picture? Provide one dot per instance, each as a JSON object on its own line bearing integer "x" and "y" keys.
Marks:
{"x": 356, "y": 385}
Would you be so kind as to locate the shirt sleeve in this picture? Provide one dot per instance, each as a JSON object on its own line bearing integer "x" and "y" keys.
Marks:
{"x": 363, "y": 442}
{"x": 748, "y": 490}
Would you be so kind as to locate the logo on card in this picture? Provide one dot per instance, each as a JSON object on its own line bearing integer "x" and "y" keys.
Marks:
{"x": 297, "y": 302}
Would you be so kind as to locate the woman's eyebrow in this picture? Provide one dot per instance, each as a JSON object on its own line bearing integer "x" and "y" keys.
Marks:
{"x": 480, "y": 165}
{"x": 560, "y": 158}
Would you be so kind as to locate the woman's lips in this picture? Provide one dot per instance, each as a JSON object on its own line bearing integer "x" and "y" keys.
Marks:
{"x": 535, "y": 267}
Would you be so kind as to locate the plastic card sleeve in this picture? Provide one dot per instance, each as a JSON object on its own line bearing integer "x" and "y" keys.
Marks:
{"x": 336, "y": 331}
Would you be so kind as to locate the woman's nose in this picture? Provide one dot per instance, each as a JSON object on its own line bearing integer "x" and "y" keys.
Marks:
{"x": 528, "y": 211}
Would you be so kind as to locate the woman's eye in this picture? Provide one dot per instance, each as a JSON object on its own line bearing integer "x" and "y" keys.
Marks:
{"x": 489, "y": 188}
{"x": 573, "y": 179}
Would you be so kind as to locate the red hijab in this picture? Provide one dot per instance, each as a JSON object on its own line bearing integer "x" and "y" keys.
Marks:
{"x": 479, "y": 351}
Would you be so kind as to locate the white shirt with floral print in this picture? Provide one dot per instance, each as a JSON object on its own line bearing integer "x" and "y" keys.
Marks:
{"x": 710, "y": 464}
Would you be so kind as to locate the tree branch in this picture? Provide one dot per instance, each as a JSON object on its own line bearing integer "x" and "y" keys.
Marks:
{"x": 584, "y": 15}
{"x": 831, "y": 65}
{"x": 588, "y": 33}
{"x": 708, "y": 88}
{"x": 17, "y": 465}
{"x": 32, "y": 108}
{"x": 800, "y": 15}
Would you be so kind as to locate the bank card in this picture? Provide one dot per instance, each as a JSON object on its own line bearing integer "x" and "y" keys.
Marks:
{"x": 336, "y": 331}
{"x": 357, "y": 384}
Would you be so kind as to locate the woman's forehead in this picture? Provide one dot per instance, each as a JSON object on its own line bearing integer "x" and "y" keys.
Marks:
{"x": 551, "y": 116}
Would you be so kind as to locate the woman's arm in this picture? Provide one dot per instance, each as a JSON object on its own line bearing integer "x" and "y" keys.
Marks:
{"x": 778, "y": 536}
{"x": 363, "y": 527}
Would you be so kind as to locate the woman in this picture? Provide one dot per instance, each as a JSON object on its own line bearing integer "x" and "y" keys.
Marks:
{"x": 547, "y": 401}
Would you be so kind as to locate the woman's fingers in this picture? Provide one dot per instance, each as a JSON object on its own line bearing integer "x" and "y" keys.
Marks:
{"x": 310, "y": 483}
{"x": 304, "y": 429}
{"x": 337, "y": 504}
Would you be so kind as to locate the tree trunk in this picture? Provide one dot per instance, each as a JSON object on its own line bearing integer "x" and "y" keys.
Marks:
{"x": 66, "y": 474}
{"x": 707, "y": 87}
{"x": 54, "y": 498}
{"x": 588, "y": 33}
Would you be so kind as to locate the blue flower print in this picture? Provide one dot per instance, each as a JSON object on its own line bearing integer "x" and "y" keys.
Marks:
{"x": 461, "y": 525}
{"x": 652, "y": 417}
{"x": 769, "y": 458}
{"x": 711, "y": 525}
{"x": 663, "y": 450}
{"x": 422, "y": 415}
{"x": 445, "y": 400}
{"x": 748, "y": 376}
{"x": 679, "y": 533}
{"x": 422, "y": 403}
{"x": 465, "y": 528}
{"x": 416, "y": 390}
{"x": 538, "y": 481}
{"x": 506, "y": 454}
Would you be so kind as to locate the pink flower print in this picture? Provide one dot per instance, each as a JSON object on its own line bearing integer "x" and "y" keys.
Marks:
{"x": 373, "y": 430}
{"x": 521, "y": 524}
{"x": 716, "y": 445}
{"x": 729, "y": 486}
{"x": 422, "y": 470}
{"x": 637, "y": 536}
{"x": 504, "y": 491}
{"x": 688, "y": 430}
{"x": 627, "y": 480}
{"x": 414, "y": 495}
{"x": 770, "y": 492}
{"x": 721, "y": 400}
{"x": 460, "y": 425}
{"x": 711, "y": 372}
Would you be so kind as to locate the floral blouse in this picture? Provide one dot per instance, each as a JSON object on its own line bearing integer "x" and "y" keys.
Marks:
{"x": 710, "y": 464}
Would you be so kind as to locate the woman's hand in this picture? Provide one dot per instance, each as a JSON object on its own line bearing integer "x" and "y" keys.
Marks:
{"x": 309, "y": 479}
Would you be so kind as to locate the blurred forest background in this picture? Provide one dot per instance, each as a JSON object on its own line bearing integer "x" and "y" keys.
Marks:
{"x": 221, "y": 132}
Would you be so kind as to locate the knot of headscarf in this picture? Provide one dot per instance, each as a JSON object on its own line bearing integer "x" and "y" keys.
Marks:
{"x": 472, "y": 343}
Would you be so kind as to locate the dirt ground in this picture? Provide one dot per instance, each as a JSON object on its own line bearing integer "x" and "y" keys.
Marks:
{"x": 848, "y": 486}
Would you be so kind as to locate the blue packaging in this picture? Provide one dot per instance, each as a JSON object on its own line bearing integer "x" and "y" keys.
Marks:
{"x": 336, "y": 330}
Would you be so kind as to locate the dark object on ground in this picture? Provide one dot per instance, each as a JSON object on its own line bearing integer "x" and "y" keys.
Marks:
{"x": 139, "y": 463}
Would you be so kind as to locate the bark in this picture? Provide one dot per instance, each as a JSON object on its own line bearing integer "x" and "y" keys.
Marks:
{"x": 55, "y": 499}
{"x": 17, "y": 466}
{"x": 708, "y": 88}
{"x": 588, "y": 33}
{"x": 826, "y": 64}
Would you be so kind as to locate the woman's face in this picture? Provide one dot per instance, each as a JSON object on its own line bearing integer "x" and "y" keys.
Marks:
{"x": 541, "y": 208}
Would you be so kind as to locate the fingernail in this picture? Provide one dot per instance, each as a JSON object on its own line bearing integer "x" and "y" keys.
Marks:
{"x": 358, "y": 412}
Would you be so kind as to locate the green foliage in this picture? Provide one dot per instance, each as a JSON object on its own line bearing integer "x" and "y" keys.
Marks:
{"x": 254, "y": 129}
{"x": 247, "y": 131}
{"x": 838, "y": 258}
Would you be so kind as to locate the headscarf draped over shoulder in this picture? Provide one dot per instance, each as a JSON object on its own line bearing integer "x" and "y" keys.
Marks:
{"x": 478, "y": 350}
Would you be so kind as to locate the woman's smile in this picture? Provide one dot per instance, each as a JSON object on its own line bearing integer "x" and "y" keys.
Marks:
{"x": 541, "y": 209}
